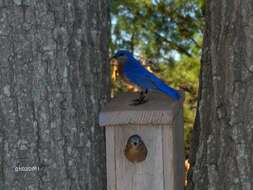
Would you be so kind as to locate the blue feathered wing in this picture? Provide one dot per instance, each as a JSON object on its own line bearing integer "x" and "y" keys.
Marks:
{"x": 138, "y": 75}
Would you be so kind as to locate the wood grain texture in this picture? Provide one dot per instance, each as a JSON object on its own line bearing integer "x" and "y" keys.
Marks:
{"x": 110, "y": 161}
{"x": 163, "y": 136}
{"x": 163, "y": 167}
{"x": 178, "y": 150}
{"x": 168, "y": 159}
{"x": 144, "y": 175}
{"x": 173, "y": 154}
{"x": 160, "y": 109}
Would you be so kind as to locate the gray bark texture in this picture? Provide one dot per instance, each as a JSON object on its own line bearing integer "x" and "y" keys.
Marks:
{"x": 54, "y": 78}
{"x": 222, "y": 147}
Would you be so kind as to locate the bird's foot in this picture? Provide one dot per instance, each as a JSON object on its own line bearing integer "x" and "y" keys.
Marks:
{"x": 141, "y": 100}
{"x": 137, "y": 102}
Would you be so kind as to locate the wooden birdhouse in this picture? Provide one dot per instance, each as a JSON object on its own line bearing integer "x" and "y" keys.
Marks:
{"x": 144, "y": 143}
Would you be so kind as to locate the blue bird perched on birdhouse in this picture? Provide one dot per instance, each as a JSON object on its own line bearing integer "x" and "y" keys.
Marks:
{"x": 133, "y": 72}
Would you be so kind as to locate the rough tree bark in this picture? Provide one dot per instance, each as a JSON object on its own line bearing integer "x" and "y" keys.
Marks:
{"x": 222, "y": 149}
{"x": 54, "y": 78}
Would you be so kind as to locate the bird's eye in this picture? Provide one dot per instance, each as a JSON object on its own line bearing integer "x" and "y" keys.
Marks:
{"x": 135, "y": 143}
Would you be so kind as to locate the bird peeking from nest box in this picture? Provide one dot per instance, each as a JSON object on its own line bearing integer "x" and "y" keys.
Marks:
{"x": 133, "y": 72}
{"x": 135, "y": 150}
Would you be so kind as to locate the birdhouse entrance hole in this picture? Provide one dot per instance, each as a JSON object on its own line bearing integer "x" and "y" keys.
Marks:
{"x": 144, "y": 143}
{"x": 135, "y": 149}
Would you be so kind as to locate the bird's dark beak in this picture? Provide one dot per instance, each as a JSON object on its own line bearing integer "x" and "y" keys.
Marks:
{"x": 113, "y": 60}
{"x": 113, "y": 57}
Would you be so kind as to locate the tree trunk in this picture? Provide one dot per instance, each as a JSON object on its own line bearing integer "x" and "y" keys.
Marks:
{"x": 222, "y": 147}
{"x": 54, "y": 78}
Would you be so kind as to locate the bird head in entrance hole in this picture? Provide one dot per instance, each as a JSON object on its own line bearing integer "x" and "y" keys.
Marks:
{"x": 135, "y": 150}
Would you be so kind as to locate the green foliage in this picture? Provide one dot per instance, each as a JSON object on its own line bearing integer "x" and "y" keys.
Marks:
{"x": 184, "y": 74}
{"x": 157, "y": 29}
{"x": 165, "y": 32}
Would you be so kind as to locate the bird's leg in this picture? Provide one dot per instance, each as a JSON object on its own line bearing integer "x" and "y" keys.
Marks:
{"x": 141, "y": 99}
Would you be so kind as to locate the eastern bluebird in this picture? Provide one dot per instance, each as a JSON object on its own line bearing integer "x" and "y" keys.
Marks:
{"x": 133, "y": 72}
{"x": 135, "y": 150}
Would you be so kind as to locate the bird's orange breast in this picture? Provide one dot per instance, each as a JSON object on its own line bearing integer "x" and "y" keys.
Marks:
{"x": 121, "y": 66}
{"x": 136, "y": 153}
{"x": 130, "y": 85}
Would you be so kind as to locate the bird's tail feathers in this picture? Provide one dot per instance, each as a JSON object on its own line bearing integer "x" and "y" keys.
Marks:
{"x": 168, "y": 90}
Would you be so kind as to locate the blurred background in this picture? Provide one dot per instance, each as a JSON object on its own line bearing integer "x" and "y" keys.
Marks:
{"x": 166, "y": 36}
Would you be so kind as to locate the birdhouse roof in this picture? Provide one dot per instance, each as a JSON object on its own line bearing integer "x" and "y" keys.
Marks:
{"x": 159, "y": 110}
